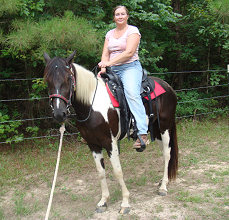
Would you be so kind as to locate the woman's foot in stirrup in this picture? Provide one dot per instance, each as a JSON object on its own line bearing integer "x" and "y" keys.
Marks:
{"x": 138, "y": 143}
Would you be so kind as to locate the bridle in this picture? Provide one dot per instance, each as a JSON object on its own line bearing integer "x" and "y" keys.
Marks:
{"x": 72, "y": 88}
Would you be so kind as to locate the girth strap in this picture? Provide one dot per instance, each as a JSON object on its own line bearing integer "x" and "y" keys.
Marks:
{"x": 150, "y": 115}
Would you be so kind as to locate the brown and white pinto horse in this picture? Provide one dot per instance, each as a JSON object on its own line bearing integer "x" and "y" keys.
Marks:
{"x": 99, "y": 124}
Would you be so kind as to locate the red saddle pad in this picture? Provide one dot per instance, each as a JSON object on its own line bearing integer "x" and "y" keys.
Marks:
{"x": 158, "y": 91}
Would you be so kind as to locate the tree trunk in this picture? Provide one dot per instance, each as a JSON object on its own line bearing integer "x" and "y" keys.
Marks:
{"x": 178, "y": 78}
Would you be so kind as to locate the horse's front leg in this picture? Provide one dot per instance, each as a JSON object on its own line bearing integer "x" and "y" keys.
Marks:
{"x": 114, "y": 158}
{"x": 99, "y": 161}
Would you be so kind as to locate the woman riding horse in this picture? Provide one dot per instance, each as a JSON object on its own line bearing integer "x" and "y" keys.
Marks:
{"x": 98, "y": 121}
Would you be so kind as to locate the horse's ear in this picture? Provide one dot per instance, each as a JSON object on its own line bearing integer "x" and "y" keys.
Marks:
{"x": 47, "y": 57}
{"x": 70, "y": 58}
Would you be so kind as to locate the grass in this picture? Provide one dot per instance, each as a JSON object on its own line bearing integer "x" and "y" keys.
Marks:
{"x": 205, "y": 149}
{"x": 201, "y": 193}
{"x": 187, "y": 197}
{"x": 116, "y": 195}
{"x": 22, "y": 208}
{"x": 1, "y": 214}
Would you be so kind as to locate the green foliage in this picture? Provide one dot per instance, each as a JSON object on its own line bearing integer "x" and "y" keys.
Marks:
{"x": 33, "y": 130}
{"x": 9, "y": 7}
{"x": 221, "y": 8}
{"x": 41, "y": 30}
{"x": 191, "y": 103}
{"x": 58, "y": 36}
{"x": 215, "y": 78}
{"x": 1, "y": 35}
{"x": 155, "y": 12}
{"x": 153, "y": 18}
{"x": 29, "y": 8}
{"x": 202, "y": 39}
{"x": 4, "y": 74}
{"x": 214, "y": 33}
{"x": 38, "y": 86}
{"x": 21, "y": 8}
{"x": 9, "y": 130}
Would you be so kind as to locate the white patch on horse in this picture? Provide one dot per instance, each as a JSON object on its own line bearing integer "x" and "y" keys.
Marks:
{"x": 105, "y": 192}
{"x": 115, "y": 161}
{"x": 87, "y": 89}
{"x": 57, "y": 100}
{"x": 102, "y": 100}
{"x": 166, "y": 154}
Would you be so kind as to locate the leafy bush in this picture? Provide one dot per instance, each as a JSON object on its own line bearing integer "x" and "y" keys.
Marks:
{"x": 215, "y": 78}
{"x": 9, "y": 130}
{"x": 57, "y": 36}
{"x": 9, "y": 7}
{"x": 33, "y": 130}
{"x": 192, "y": 103}
{"x": 38, "y": 87}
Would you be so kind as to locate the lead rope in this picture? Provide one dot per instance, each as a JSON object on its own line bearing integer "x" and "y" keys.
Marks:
{"x": 62, "y": 129}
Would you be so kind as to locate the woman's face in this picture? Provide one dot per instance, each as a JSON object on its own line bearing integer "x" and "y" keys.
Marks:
{"x": 120, "y": 16}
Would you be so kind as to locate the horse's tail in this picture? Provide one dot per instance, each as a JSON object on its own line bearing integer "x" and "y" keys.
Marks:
{"x": 173, "y": 162}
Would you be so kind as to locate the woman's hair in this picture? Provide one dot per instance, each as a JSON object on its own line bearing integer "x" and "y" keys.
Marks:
{"x": 120, "y": 6}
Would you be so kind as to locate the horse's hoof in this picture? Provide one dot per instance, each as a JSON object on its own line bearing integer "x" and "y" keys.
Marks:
{"x": 101, "y": 209}
{"x": 162, "y": 192}
{"x": 124, "y": 210}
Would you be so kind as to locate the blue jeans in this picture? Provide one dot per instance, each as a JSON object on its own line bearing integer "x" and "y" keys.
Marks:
{"x": 131, "y": 77}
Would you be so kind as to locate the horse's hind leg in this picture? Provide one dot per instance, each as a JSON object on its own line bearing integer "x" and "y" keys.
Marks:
{"x": 99, "y": 161}
{"x": 114, "y": 158}
{"x": 166, "y": 155}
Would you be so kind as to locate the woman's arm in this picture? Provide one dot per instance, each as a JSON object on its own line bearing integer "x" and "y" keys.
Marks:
{"x": 105, "y": 56}
{"x": 131, "y": 46}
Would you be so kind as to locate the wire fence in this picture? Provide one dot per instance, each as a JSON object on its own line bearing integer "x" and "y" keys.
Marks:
{"x": 206, "y": 87}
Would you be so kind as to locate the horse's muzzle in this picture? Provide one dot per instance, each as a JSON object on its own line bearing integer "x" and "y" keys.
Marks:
{"x": 60, "y": 115}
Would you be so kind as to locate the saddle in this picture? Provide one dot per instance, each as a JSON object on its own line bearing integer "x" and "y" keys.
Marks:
{"x": 116, "y": 92}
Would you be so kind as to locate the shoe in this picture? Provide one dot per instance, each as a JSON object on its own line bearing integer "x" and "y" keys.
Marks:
{"x": 137, "y": 143}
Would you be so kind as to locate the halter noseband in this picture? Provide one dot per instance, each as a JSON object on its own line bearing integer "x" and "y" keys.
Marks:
{"x": 72, "y": 88}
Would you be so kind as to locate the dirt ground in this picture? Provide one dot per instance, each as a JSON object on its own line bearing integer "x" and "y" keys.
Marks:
{"x": 76, "y": 196}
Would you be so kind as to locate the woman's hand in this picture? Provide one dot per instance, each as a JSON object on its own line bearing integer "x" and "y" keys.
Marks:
{"x": 103, "y": 64}
{"x": 102, "y": 71}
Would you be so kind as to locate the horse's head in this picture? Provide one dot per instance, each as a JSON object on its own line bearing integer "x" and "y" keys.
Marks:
{"x": 61, "y": 84}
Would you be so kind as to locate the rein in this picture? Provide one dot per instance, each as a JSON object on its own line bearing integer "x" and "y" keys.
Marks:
{"x": 89, "y": 113}
{"x": 62, "y": 130}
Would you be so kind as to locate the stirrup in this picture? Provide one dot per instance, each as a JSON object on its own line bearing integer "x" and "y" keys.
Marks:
{"x": 142, "y": 145}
